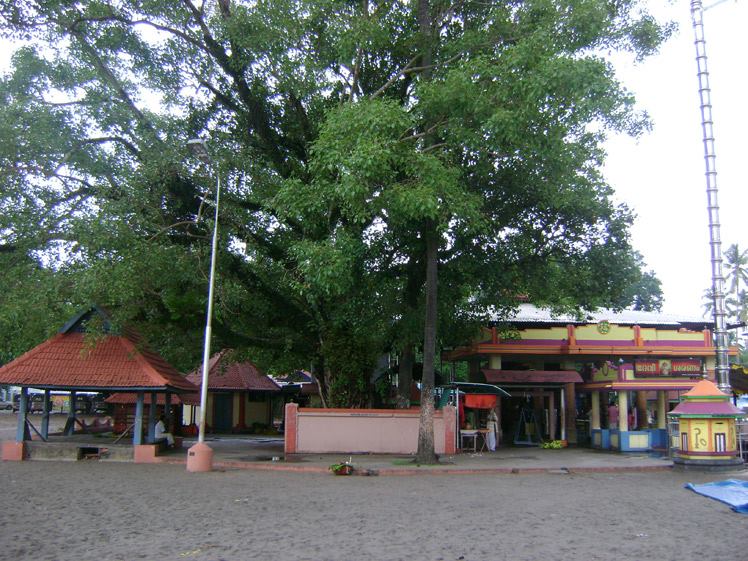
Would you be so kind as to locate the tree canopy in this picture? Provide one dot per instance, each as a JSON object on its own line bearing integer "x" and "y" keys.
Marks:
{"x": 354, "y": 142}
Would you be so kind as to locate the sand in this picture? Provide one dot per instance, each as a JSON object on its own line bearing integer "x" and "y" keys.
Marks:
{"x": 110, "y": 511}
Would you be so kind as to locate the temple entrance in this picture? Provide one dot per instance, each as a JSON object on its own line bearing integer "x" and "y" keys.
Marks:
{"x": 530, "y": 417}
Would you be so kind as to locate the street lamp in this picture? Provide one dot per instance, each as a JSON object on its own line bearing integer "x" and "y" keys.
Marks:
{"x": 200, "y": 456}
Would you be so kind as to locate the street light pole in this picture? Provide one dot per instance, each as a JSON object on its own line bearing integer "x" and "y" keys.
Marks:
{"x": 200, "y": 456}
{"x": 722, "y": 368}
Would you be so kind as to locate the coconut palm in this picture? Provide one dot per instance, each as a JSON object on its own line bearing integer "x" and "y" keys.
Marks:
{"x": 708, "y": 304}
{"x": 736, "y": 263}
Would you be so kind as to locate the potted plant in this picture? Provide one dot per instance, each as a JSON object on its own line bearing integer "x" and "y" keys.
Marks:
{"x": 554, "y": 444}
{"x": 342, "y": 468}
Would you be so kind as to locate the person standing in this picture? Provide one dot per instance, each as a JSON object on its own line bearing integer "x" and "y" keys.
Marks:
{"x": 492, "y": 424}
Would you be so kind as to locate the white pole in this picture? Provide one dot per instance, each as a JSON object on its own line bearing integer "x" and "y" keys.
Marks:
{"x": 206, "y": 345}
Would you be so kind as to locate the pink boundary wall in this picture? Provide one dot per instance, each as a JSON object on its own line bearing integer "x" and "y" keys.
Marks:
{"x": 375, "y": 431}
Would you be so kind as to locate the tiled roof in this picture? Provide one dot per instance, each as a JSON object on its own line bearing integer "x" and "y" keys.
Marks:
{"x": 224, "y": 374}
{"x": 122, "y": 398}
{"x": 115, "y": 362}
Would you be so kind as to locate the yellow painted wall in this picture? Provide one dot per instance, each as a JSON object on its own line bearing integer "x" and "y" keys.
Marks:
{"x": 616, "y": 333}
{"x": 550, "y": 334}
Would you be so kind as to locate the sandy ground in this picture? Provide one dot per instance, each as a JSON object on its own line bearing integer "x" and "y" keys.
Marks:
{"x": 111, "y": 511}
{"x": 106, "y": 512}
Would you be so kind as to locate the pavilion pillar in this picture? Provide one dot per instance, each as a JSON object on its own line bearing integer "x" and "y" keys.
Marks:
{"x": 662, "y": 409}
{"x": 22, "y": 431}
{"x": 167, "y": 411}
{"x": 623, "y": 410}
{"x": 152, "y": 417}
{"x": 45, "y": 415}
{"x": 70, "y": 423}
{"x": 137, "y": 435}
{"x": 595, "y": 412}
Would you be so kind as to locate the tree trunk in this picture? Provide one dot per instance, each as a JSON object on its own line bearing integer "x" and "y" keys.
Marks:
{"x": 405, "y": 377}
{"x": 426, "y": 453}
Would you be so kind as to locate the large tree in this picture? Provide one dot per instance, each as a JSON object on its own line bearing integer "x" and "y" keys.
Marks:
{"x": 366, "y": 149}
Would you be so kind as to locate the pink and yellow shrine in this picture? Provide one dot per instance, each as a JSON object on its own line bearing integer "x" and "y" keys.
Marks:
{"x": 607, "y": 380}
{"x": 706, "y": 436}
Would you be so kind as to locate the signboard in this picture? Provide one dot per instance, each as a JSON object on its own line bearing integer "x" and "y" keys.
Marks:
{"x": 660, "y": 368}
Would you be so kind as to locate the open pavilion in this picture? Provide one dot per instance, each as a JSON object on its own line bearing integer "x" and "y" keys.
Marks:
{"x": 77, "y": 360}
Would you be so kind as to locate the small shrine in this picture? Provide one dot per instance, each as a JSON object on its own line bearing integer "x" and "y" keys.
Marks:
{"x": 706, "y": 436}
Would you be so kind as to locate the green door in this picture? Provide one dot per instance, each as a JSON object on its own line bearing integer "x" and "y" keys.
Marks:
{"x": 222, "y": 412}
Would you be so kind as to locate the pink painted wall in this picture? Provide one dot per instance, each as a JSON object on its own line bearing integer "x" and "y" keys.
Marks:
{"x": 376, "y": 431}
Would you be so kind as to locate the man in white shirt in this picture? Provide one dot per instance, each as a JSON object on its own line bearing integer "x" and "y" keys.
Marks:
{"x": 161, "y": 434}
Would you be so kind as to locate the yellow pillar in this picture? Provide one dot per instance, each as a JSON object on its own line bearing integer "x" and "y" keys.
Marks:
{"x": 595, "y": 420}
{"x": 623, "y": 410}
{"x": 494, "y": 362}
{"x": 661, "y": 409}
{"x": 642, "y": 415}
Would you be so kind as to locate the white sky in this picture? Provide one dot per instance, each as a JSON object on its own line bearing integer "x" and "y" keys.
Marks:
{"x": 661, "y": 175}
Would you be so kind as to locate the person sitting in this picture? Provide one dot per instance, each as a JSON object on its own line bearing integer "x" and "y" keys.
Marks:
{"x": 161, "y": 434}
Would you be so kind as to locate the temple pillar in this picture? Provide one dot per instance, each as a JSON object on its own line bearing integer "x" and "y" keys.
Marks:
{"x": 552, "y": 415}
{"x": 623, "y": 410}
{"x": 570, "y": 412}
{"x": 662, "y": 409}
{"x": 595, "y": 411}
{"x": 642, "y": 414}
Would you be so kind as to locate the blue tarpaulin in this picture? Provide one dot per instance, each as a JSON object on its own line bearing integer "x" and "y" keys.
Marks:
{"x": 733, "y": 492}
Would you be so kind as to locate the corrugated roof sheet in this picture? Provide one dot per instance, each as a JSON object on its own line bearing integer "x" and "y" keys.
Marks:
{"x": 529, "y": 313}
{"x": 68, "y": 361}
{"x": 224, "y": 374}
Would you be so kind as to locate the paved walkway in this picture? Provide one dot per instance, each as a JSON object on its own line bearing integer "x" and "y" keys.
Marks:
{"x": 266, "y": 453}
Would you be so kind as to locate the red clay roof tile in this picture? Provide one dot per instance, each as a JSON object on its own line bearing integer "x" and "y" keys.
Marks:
{"x": 68, "y": 361}
{"x": 223, "y": 374}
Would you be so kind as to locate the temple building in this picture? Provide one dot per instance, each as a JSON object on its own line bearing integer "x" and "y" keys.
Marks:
{"x": 607, "y": 380}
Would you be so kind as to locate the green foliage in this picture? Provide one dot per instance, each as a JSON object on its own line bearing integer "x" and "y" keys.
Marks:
{"x": 337, "y": 161}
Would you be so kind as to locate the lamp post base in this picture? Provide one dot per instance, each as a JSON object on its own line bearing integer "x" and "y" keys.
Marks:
{"x": 200, "y": 458}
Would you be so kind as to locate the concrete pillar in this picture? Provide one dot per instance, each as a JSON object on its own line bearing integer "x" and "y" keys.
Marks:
{"x": 290, "y": 437}
{"x": 595, "y": 417}
{"x": 661, "y": 409}
{"x": 623, "y": 410}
